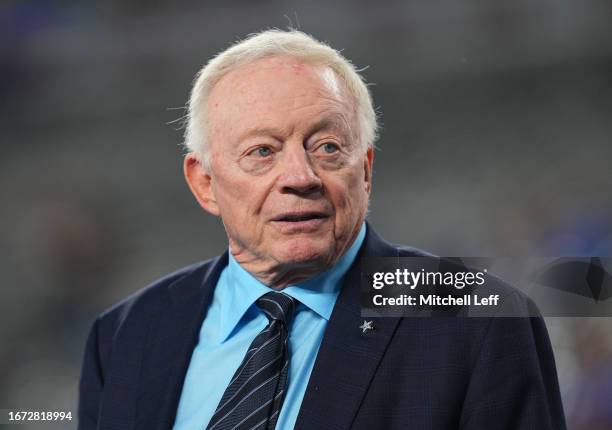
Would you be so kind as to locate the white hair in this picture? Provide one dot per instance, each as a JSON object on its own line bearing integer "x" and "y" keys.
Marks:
{"x": 270, "y": 43}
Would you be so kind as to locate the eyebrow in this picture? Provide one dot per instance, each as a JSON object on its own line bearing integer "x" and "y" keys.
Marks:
{"x": 333, "y": 121}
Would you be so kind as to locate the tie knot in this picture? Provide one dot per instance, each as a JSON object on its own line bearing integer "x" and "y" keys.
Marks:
{"x": 277, "y": 306}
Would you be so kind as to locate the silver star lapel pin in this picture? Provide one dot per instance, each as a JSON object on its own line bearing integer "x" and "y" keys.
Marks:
{"x": 367, "y": 325}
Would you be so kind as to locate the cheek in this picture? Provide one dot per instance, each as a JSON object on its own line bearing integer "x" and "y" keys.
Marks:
{"x": 347, "y": 192}
{"x": 238, "y": 195}
{"x": 229, "y": 192}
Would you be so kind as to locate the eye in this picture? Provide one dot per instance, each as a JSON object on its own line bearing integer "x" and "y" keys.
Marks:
{"x": 262, "y": 151}
{"x": 329, "y": 147}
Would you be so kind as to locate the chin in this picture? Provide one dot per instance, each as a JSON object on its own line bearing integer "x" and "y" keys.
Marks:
{"x": 303, "y": 250}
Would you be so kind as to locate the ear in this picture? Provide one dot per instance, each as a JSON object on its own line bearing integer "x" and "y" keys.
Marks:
{"x": 368, "y": 161}
{"x": 200, "y": 183}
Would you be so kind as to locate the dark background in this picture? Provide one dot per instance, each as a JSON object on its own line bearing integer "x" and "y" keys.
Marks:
{"x": 496, "y": 141}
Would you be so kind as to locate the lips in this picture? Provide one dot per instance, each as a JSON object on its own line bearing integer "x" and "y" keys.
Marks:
{"x": 300, "y": 216}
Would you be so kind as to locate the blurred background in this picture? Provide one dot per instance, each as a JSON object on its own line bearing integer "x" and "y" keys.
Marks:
{"x": 496, "y": 141}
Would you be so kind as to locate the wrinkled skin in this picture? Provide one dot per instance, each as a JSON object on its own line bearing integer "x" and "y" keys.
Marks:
{"x": 287, "y": 175}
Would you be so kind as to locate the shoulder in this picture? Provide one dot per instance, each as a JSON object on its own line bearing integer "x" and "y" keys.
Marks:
{"x": 410, "y": 251}
{"x": 517, "y": 316}
{"x": 147, "y": 301}
{"x": 517, "y": 303}
{"x": 506, "y": 359}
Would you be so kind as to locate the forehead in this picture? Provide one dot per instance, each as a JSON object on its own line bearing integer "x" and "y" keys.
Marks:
{"x": 276, "y": 91}
{"x": 279, "y": 72}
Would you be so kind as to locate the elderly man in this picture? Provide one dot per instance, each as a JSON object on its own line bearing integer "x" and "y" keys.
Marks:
{"x": 269, "y": 335}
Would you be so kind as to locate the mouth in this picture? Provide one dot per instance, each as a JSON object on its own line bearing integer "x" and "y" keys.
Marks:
{"x": 297, "y": 217}
{"x": 300, "y": 222}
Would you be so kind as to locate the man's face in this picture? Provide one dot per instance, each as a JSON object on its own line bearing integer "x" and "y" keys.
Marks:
{"x": 288, "y": 176}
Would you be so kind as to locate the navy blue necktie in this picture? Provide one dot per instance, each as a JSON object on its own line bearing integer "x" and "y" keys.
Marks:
{"x": 254, "y": 397}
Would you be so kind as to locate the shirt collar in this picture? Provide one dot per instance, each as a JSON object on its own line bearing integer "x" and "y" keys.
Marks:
{"x": 319, "y": 293}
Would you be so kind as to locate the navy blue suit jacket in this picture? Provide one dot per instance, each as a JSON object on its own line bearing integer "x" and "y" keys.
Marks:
{"x": 410, "y": 373}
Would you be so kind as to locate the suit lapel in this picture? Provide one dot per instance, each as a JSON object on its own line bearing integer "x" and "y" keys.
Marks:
{"x": 173, "y": 337}
{"x": 347, "y": 358}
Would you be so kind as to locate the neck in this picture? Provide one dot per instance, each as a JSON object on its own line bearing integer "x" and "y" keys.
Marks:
{"x": 278, "y": 275}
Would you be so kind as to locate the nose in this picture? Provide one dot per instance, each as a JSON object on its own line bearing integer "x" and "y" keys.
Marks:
{"x": 297, "y": 175}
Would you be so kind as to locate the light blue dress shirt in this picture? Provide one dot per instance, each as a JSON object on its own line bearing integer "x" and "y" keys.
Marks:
{"x": 233, "y": 321}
